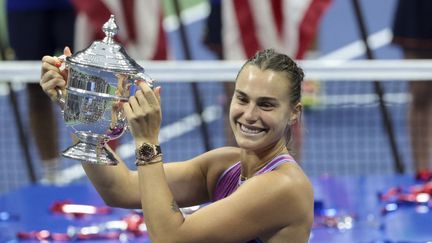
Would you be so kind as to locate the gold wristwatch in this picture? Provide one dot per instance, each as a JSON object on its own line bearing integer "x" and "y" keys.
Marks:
{"x": 148, "y": 153}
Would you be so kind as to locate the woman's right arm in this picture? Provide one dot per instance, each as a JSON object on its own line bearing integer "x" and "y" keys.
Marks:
{"x": 117, "y": 185}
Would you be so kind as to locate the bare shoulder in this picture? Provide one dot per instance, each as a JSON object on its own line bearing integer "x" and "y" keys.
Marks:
{"x": 295, "y": 189}
{"x": 294, "y": 175}
{"x": 291, "y": 192}
{"x": 277, "y": 204}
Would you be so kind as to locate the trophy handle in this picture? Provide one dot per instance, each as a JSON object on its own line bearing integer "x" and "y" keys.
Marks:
{"x": 60, "y": 99}
{"x": 60, "y": 96}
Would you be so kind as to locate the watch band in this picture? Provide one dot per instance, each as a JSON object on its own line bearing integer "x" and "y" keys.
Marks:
{"x": 155, "y": 160}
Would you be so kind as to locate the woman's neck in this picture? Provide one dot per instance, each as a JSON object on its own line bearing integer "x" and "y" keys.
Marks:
{"x": 253, "y": 161}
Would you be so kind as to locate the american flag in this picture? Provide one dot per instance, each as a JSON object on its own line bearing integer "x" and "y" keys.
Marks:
{"x": 288, "y": 26}
{"x": 139, "y": 21}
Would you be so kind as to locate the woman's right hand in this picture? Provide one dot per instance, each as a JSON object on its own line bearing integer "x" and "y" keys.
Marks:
{"x": 52, "y": 77}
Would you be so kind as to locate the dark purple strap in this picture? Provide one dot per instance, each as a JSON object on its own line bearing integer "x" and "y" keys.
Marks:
{"x": 228, "y": 182}
{"x": 275, "y": 162}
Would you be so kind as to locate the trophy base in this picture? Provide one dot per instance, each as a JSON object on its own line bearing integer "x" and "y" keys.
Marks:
{"x": 90, "y": 153}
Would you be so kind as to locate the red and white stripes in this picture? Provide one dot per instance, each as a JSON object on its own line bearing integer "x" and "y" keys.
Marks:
{"x": 140, "y": 25}
{"x": 288, "y": 26}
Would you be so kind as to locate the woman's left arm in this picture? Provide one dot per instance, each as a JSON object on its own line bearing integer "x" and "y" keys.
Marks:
{"x": 161, "y": 212}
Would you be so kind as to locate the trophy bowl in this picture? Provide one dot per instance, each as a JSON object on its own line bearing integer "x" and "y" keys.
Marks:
{"x": 100, "y": 78}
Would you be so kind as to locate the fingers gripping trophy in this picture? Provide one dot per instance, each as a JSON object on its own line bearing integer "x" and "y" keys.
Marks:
{"x": 100, "y": 78}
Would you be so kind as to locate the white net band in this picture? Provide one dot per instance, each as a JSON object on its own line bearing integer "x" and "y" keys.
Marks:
{"x": 208, "y": 71}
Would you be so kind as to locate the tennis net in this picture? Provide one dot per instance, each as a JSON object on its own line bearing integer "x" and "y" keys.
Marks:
{"x": 343, "y": 128}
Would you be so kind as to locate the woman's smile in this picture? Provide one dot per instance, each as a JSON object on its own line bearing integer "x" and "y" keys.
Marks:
{"x": 249, "y": 130}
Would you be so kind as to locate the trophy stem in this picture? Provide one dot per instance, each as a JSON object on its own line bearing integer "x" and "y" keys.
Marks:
{"x": 90, "y": 149}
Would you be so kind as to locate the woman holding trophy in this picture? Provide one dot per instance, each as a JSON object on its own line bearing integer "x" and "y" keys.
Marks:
{"x": 253, "y": 193}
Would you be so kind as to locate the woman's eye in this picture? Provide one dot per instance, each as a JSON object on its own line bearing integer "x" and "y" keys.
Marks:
{"x": 266, "y": 105}
{"x": 241, "y": 99}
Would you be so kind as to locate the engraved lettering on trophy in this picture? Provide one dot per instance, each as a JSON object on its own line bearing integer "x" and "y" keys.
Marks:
{"x": 95, "y": 59}
{"x": 85, "y": 109}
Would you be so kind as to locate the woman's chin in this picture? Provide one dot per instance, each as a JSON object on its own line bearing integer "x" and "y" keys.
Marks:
{"x": 257, "y": 144}
{"x": 247, "y": 144}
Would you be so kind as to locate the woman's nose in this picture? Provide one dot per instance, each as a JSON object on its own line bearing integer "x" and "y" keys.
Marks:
{"x": 251, "y": 113}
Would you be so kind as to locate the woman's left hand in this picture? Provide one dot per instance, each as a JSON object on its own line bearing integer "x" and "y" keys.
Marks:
{"x": 143, "y": 112}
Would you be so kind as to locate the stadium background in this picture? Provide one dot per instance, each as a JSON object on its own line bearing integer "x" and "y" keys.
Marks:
{"x": 343, "y": 131}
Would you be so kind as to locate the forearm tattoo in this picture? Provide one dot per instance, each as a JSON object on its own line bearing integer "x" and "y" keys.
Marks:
{"x": 175, "y": 208}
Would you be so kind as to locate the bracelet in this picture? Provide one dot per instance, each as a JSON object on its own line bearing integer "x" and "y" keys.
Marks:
{"x": 155, "y": 160}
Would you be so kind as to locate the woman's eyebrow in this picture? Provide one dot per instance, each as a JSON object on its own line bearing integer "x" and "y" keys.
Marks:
{"x": 240, "y": 92}
{"x": 267, "y": 99}
{"x": 264, "y": 98}
{"x": 260, "y": 99}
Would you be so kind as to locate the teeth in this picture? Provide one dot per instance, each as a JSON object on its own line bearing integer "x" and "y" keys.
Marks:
{"x": 249, "y": 130}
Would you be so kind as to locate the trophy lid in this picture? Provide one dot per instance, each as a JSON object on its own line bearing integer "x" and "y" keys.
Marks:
{"x": 106, "y": 54}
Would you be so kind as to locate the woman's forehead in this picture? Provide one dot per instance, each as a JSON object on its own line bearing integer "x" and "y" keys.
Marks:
{"x": 268, "y": 83}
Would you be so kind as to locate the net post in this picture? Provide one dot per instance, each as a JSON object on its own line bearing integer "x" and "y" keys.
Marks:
{"x": 398, "y": 163}
{"x": 194, "y": 85}
{"x": 19, "y": 124}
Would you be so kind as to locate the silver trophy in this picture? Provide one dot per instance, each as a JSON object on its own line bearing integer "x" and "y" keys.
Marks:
{"x": 100, "y": 79}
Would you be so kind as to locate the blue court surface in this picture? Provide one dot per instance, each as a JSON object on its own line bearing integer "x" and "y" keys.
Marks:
{"x": 351, "y": 201}
{"x": 345, "y": 150}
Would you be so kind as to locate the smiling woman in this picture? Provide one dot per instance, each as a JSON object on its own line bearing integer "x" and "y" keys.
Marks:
{"x": 258, "y": 192}
{"x": 267, "y": 95}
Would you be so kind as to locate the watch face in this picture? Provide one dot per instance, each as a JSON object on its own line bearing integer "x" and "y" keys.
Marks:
{"x": 147, "y": 151}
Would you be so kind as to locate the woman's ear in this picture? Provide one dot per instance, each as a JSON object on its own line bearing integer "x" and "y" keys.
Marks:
{"x": 296, "y": 113}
